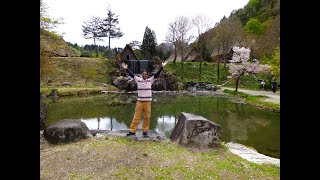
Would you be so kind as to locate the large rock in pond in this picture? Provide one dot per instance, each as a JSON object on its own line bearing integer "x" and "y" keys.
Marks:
{"x": 43, "y": 114}
{"x": 66, "y": 130}
{"x": 194, "y": 130}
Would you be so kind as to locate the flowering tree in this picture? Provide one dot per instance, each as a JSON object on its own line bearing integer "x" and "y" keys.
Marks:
{"x": 241, "y": 66}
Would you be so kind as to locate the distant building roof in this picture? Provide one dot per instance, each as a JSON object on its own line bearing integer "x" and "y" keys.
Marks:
{"x": 130, "y": 49}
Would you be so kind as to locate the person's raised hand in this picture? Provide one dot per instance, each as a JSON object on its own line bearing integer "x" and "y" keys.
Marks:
{"x": 124, "y": 65}
{"x": 164, "y": 63}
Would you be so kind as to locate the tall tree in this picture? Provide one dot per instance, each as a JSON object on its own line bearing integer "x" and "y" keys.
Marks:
{"x": 149, "y": 44}
{"x": 240, "y": 65}
{"x": 50, "y": 41}
{"x": 227, "y": 34}
{"x": 46, "y": 22}
{"x": 269, "y": 40}
{"x": 92, "y": 30}
{"x": 202, "y": 24}
{"x": 183, "y": 39}
{"x": 171, "y": 37}
{"x": 275, "y": 64}
{"x": 109, "y": 26}
{"x": 135, "y": 45}
{"x": 253, "y": 27}
{"x": 165, "y": 50}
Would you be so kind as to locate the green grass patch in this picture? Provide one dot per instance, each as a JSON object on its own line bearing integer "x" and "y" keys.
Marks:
{"x": 258, "y": 101}
{"x": 76, "y": 90}
{"x": 77, "y": 71}
{"x": 192, "y": 73}
{"x": 238, "y": 93}
{"x": 123, "y": 158}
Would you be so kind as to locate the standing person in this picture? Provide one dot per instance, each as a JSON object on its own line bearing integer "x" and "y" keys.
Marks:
{"x": 143, "y": 103}
{"x": 274, "y": 85}
{"x": 262, "y": 84}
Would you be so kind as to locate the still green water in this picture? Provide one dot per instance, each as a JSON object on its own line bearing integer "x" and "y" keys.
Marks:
{"x": 241, "y": 123}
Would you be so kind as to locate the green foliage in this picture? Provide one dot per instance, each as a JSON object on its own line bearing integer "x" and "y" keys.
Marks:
{"x": 149, "y": 44}
{"x": 253, "y": 27}
{"x": 85, "y": 53}
{"x": 156, "y": 60}
{"x": 180, "y": 86}
{"x": 92, "y": 29}
{"x": 138, "y": 53}
{"x": 260, "y": 9}
{"x": 252, "y": 3}
{"x": 117, "y": 102}
{"x": 76, "y": 51}
{"x": 109, "y": 26}
{"x": 275, "y": 63}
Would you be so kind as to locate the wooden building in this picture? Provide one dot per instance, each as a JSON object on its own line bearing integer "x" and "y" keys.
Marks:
{"x": 127, "y": 54}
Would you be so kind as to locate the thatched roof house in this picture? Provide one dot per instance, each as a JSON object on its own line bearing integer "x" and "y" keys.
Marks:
{"x": 127, "y": 54}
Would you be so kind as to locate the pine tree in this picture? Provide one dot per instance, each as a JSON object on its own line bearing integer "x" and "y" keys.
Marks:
{"x": 109, "y": 26}
{"x": 149, "y": 44}
{"x": 92, "y": 30}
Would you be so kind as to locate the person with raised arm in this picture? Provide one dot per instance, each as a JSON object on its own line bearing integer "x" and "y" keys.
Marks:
{"x": 143, "y": 103}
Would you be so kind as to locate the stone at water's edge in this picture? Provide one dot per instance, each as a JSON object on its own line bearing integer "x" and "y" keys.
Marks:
{"x": 152, "y": 135}
{"x": 66, "y": 130}
{"x": 251, "y": 154}
{"x": 43, "y": 114}
{"x": 196, "y": 130}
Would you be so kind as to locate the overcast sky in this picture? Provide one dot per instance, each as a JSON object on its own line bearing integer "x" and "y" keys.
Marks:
{"x": 134, "y": 16}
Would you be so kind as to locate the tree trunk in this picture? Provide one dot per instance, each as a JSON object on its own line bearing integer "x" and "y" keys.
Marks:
{"x": 109, "y": 43}
{"x": 224, "y": 61}
{"x": 111, "y": 124}
{"x": 200, "y": 68}
{"x": 182, "y": 69}
{"x": 94, "y": 40}
{"x": 237, "y": 82}
{"x": 218, "y": 71}
{"x": 175, "y": 54}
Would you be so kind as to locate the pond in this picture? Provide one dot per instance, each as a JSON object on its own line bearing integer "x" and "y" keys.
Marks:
{"x": 241, "y": 123}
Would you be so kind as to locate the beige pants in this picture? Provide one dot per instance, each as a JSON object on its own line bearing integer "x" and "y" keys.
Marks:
{"x": 141, "y": 106}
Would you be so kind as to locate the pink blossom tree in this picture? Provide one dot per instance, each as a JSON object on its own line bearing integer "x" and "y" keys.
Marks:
{"x": 240, "y": 65}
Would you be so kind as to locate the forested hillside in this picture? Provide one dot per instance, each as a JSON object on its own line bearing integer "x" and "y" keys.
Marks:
{"x": 255, "y": 26}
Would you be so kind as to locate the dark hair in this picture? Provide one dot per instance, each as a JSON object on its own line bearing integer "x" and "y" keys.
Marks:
{"x": 144, "y": 70}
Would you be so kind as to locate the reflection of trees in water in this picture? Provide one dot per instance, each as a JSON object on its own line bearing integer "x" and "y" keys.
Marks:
{"x": 111, "y": 125}
{"x": 166, "y": 124}
{"x": 240, "y": 122}
{"x": 98, "y": 122}
{"x": 234, "y": 116}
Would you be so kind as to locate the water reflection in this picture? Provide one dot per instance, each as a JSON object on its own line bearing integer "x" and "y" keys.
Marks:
{"x": 166, "y": 124}
{"x": 104, "y": 123}
{"x": 240, "y": 123}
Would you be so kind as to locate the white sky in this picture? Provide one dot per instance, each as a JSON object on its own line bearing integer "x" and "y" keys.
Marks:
{"x": 134, "y": 16}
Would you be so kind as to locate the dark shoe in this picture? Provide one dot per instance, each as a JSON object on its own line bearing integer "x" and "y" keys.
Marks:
{"x": 131, "y": 133}
{"x": 145, "y": 134}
